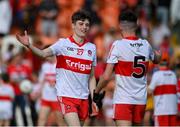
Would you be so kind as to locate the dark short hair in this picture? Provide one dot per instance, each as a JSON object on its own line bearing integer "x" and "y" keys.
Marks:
{"x": 5, "y": 77}
{"x": 81, "y": 15}
{"x": 128, "y": 16}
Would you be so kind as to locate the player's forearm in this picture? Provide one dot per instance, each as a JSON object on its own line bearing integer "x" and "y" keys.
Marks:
{"x": 105, "y": 78}
{"x": 101, "y": 84}
{"x": 36, "y": 51}
{"x": 92, "y": 85}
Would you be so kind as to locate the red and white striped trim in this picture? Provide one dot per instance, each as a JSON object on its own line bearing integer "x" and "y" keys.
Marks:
{"x": 125, "y": 68}
{"x": 131, "y": 38}
{"x": 79, "y": 44}
{"x": 74, "y": 64}
{"x": 6, "y": 98}
{"x": 165, "y": 89}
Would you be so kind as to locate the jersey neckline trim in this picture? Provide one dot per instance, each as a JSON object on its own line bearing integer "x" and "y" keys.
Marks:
{"x": 73, "y": 41}
{"x": 131, "y": 38}
{"x": 164, "y": 68}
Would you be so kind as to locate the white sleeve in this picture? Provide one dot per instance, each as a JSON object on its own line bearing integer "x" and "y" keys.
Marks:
{"x": 154, "y": 81}
{"x": 113, "y": 54}
{"x": 56, "y": 47}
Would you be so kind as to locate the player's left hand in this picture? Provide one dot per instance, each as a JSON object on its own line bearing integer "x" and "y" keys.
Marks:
{"x": 97, "y": 98}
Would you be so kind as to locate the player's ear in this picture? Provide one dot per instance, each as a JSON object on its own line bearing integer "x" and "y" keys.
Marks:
{"x": 73, "y": 25}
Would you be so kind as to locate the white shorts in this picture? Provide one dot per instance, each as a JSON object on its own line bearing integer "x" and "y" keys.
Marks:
{"x": 5, "y": 110}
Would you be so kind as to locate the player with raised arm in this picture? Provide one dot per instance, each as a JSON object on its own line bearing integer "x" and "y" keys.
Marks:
{"x": 76, "y": 58}
{"x": 129, "y": 57}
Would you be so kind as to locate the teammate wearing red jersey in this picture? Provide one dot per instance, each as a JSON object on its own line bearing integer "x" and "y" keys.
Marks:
{"x": 76, "y": 58}
{"x": 129, "y": 57}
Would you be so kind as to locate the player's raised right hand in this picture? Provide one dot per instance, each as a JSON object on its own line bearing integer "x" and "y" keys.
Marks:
{"x": 23, "y": 39}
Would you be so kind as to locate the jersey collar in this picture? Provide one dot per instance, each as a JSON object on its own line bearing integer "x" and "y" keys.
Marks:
{"x": 163, "y": 68}
{"x": 131, "y": 38}
{"x": 73, "y": 41}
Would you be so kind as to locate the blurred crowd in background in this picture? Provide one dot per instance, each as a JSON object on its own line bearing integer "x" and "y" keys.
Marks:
{"x": 48, "y": 20}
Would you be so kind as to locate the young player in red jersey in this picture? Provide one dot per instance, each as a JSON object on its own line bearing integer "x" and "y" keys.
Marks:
{"x": 129, "y": 57}
{"x": 76, "y": 58}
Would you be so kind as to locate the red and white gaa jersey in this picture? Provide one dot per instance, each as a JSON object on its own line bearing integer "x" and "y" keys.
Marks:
{"x": 6, "y": 101}
{"x": 131, "y": 58}
{"x": 48, "y": 76}
{"x": 178, "y": 94}
{"x": 74, "y": 64}
{"x": 164, "y": 86}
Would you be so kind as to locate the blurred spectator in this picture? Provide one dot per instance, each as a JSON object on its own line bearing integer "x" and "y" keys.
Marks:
{"x": 29, "y": 16}
{"x": 5, "y": 17}
{"x": 94, "y": 30}
{"x": 19, "y": 15}
{"x": 163, "y": 10}
{"x": 128, "y": 5}
{"x": 91, "y": 7}
{"x": 17, "y": 72}
{"x": 149, "y": 7}
{"x": 144, "y": 25}
{"x": 175, "y": 18}
{"x": 34, "y": 98}
{"x": 175, "y": 15}
{"x": 158, "y": 32}
{"x": 6, "y": 100}
{"x": 99, "y": 42}
{"x": 48, "y": 11}
{"x": 108, "y": 11}
{"x": 166, "y": 48}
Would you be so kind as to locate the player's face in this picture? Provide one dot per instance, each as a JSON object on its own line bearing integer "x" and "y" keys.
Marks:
{"x": 81, "y": 28}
